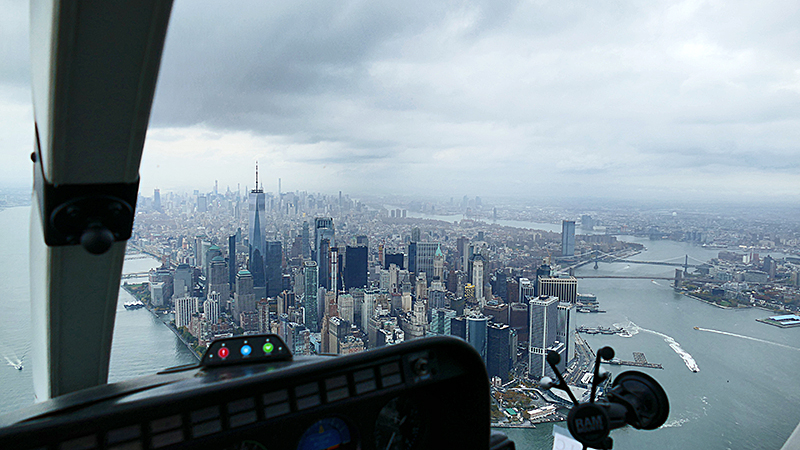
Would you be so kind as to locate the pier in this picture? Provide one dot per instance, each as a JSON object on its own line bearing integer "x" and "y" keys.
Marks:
{"x": 639, "y": 361}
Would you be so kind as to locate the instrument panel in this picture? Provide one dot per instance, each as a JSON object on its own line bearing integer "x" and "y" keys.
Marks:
{"x": 425, "y": 393}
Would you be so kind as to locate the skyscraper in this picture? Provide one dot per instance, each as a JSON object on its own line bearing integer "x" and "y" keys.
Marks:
{"x": 477, "y": 279}
{"x": 184, "y": 308}
{"x": 232, "y": 264}
{"x": 422, "y": 254}
{"x": 543, "y": 330}
{"x": 568, "y": 238}
{"x": 244, "y": 297}
{"x": 565, "y": 288}
{"x": 273, "y": 261}
{"x": 257, "y": 227}
{"x": 324, "y": 240}
{"x": 566, "y": 328}
{"x": 306, "y": 246}
{"x": 355, "y": 267}
{"x": 157, "y": 200}
{"x": 218, "y": 278}
{"x": 311, "y": 284}
{"x": 527, "y": 290}
{"x": 211, "y": 308}
{"x": 499, "y": 351}
{"x": 477, "y": 334}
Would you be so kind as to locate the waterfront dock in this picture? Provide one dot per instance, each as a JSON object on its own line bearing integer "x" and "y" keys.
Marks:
{"x": 639, "y": 360}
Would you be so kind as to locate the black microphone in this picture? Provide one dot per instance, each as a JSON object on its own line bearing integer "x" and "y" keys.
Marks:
{"x": 635, "y": 399}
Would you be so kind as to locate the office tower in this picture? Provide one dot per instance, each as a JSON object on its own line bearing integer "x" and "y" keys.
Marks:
{"x": 543, "y": 312}
{"x": 256, "y": 269}
{"x": 211, "y": 308}
{"x": 498, "y": 312}
{"x": 438, "y": 264}
{"x": 233, "y": 267}
{"x": 368, "y": 307}
{"x": 347, "y": 307}
{"x": 458, "y": 327}
{"x": 499, "y": 351}
{"x": 587, "y": 223}
{"x": 324, "y": 240}
{"x": 273, "y": 270}
{"x": 362, "y": 240}
{"x": 202, "y": 203}
{"x": 566, "y": 328}
{"x": 469, "y": 294}
{"x": 512, "y": 290}
{"x": 440, "y": 321}
{"x": 218, "y": 278}
{"x": 518, "y": 320}
{"x": 393, "y": 258}
{"x": 310, "y": 292}
{"x": 184, "y": 308}
{"x": 476, "y": 334}
{"x": 156, "y": 200}
{"x": 334, "y": 271}
{"x": 212, "y": 252}
{"x": 257, "y": 228}
{"x": 415, "y": 234}
{"x": 461, "y": 247}
{"x": 421, "y": 286}
{"x": 436, "y": 294}
{"x": 542, "y": 272}
{"x": 568, "y": 238}
{"x": 163, "y": 275}
{"x": 183, "y": 281}
{"x": 421, "y": 256}
{"x": 477, "y": 279}
{"x": 500, "y": 285}
{"x": 244, "y": 298}
{"x": 565, "y": 288}
{"x": 355, "y": 267}
{"x": 526, "y": 290}
{"x": 306, "y": 246}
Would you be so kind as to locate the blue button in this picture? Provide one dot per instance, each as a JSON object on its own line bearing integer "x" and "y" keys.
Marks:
{"x": 246, "y": 349}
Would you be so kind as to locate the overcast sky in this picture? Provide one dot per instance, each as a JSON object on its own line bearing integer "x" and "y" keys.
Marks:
{"x": 615, "y": 99}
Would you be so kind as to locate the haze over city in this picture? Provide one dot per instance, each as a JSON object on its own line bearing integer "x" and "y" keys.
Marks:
{"x": 694, "y": 100}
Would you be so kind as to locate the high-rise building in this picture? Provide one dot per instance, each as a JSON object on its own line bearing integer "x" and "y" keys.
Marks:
{"x": 518, "y": 320}
{"x": 542, "y": 272}
{"x": 500, "y": 285}
{"x": 183, "y": 282}
{"x": 543, "y": 331}
{"x": 499, "y": 351}
{"x": 212, "y": 252}
{"x": 477, "y": 334}
{"x": 310, "y": 292}
{"x": 565, "y": 288}
{"x": 477, "y": 279}
{"x": 324, "y": 240}
{"x": 346, "y": 307}
{"x": 568, "y": 238}
{"x": 566, "y": 328}
{"x": 273, "y": 270}
{"x": 393, "y": 258}
{"x": 211, "y": 308}
{"x": 499, "y": 312}
{"x": 306, "y": 246}
{"x": 184, "y": 308}
{"x": 232, "y": 265}
{"x": 244, "y": 297}
{"x": 415, "y": 234}
{"x": 218, "y": 278}
{"x": 440, "y": 321}
{"x": 423, "y": 255}
{"x": 257, "y": 226}
{"x": 458, "y": 327}
{"x": 355, "y": 267}
{"x": 527, "y": 290}
{"x": 156, "y": 200}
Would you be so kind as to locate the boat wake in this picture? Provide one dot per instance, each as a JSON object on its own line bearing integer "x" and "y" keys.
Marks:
{"x": 749, "y": 338}
{"x": 691, "y": 364}
{"x": 676, "y": 423}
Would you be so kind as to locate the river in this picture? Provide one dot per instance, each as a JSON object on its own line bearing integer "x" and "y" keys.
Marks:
{"x": 743, "y": 397}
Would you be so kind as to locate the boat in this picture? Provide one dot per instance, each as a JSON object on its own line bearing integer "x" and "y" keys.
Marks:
{"x": 697, "y": 328}
{"x": 136, "y": 304}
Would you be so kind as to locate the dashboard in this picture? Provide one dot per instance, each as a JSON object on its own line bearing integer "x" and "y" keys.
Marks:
{"x": 250, "y": 393}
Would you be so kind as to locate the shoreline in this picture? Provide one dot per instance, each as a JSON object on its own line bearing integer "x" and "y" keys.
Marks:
{"x": 155, "y": 314}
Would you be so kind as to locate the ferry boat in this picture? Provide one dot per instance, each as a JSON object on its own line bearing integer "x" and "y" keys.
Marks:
{"x": 136, "y": 304}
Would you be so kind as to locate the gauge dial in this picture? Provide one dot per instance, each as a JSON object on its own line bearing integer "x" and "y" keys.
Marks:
{"x": 399, "y": 425}
{"x": 326, "y": 434}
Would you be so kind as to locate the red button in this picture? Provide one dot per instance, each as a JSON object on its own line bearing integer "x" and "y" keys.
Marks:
{"x": 223, "y": 352}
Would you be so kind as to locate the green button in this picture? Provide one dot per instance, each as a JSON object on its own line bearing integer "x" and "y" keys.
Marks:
{"x": 268, "y": 347}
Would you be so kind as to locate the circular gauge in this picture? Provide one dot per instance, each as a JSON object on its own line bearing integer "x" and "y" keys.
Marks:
{"x": 399, "y": 425}
{"x": 326, "y": 434}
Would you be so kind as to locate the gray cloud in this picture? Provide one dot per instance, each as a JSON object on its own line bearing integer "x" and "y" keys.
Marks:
{"x": 620, "y": 99}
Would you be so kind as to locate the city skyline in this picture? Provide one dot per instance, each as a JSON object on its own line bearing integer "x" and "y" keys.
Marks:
{"x": 689, "y": 99}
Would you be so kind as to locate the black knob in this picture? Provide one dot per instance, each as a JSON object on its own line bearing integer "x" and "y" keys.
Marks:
{"x": 97, "y": 239}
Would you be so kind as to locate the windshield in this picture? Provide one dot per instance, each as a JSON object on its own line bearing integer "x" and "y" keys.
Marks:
{"x": 528, "y": 176}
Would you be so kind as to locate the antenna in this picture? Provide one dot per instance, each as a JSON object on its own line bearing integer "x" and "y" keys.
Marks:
{"x": 256, "y": 174}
